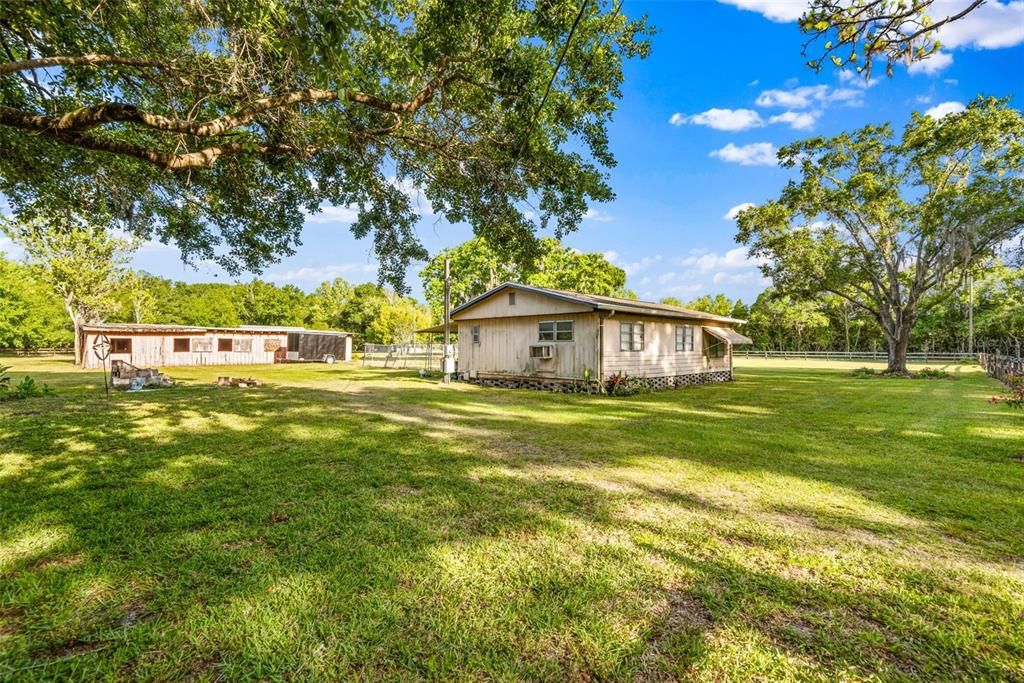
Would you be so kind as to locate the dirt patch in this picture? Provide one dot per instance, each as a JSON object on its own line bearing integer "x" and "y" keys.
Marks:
{"x": 674, "y": 642}
{"x": 59, "y": 562}
{"x": 278, "y": 518}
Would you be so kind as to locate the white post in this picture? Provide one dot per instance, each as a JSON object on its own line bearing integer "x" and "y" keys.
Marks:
{"x": 970, "y": 315}
{"x": 448, "y": 360}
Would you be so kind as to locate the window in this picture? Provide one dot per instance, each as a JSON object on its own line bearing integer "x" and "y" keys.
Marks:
{"x": 242, "y": 345}
{"x": 202, "y": 345}
{"x": 511, "y": 298}
{"x": 224, "y": 344}
{"x": 713, "y": 346}
{"x": 631, "y": 336}
{"x": 181, "y": 344}
{"x": 476, "y": 334}
{"x": 684, "y": 338}
{"x": 120, "y": 345}
{"x": 555, "y": 330}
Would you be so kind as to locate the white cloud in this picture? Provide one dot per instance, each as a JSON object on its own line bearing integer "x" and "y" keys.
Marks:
{"x": 732, "y": 260}
{"x": 333, "y": 214}
{"x": 945, "y": 109}
{"x": 318, "y": 274}
{"x": 993, "y": 25}
{"x": 797, "y": 120}
{"x": 722, "y": 119}
{"x": 754, "y": 154}
{"x": 753, "y": 82}
{"x": 931, "y": 65}
{"x": 805, "y": 96}
{"x": 597, "y": 215}
{"x": 747, "y": 277}
{"x": 632, "y": 267}
{"x": 924, "y": 99}
{"x": 857, "y": 80}
{"x": 951, "y": 81}
{"x": 782, "y": 11}
{"x": 732, "y": 213}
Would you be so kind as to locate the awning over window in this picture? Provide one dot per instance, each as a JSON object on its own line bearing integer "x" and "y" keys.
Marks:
{"x": 728, "y": 335}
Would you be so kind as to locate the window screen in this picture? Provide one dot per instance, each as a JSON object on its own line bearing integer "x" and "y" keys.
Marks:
{"x": 476, "y": 334}
{"x": 555, "y": 330}
{"x": 684, "y": 338}
{"x": 511, "y": 298}
{"x": 120, "y": 345}
{"x": 713, "y": 346}
{"x": 631, "y": 336}
{"x": 242, "y": 345}
{"x": 202, "y": 345}
{"x": 181, "y": 344}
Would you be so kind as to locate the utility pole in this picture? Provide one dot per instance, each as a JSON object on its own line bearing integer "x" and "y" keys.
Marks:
{"x": 448, "y": 361}
{"x": 970, "y": 313}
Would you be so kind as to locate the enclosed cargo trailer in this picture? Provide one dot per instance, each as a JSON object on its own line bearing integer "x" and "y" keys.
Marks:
{"x": 319, "y": 346}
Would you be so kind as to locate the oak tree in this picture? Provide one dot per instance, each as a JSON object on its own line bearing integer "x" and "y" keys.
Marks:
{"x": 219, "y": 126}
{"x": 892, "y": 224}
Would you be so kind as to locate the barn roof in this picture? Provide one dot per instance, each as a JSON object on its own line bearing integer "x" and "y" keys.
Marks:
{"x": 607, "y": 303}
{"x": 147, "y": 328}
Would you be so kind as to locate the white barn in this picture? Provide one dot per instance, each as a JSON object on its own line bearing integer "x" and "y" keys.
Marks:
{"x": 155, "y": 346}
{"x": 523, "y": 336}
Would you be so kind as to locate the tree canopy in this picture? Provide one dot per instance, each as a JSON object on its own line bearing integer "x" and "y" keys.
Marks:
{"x": 476, "y": 267}
{"x": 892, "y": 224}
{"x": 854, "y": 34}
{"x": 218, "y": 126}
{"x": 82, "y": 263}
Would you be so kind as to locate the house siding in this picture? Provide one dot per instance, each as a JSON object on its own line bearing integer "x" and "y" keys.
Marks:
{"x": 527, "y": 303}
{"x": 659, "y": 357}
{"x": 504, "y": 347}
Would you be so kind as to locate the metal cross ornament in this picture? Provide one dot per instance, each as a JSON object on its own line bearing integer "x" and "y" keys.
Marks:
{"x": 101, "y": 347}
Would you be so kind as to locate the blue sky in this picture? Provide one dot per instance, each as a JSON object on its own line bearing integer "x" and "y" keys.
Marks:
{"x": 695, "y": 136}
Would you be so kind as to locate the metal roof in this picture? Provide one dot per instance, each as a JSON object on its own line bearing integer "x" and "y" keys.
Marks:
{"x": 147, "y": 328}
{"x": 606, "y": 303}
{"x": 728, "y": 334}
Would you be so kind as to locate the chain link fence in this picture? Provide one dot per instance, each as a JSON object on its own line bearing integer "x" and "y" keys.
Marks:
{"x": 426, "y": 356}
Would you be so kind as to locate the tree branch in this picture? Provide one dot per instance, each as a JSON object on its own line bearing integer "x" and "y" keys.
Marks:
{"x": 80, "y": 60}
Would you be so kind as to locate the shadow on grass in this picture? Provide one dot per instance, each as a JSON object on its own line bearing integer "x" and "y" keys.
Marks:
{"x": 392, "y": 529}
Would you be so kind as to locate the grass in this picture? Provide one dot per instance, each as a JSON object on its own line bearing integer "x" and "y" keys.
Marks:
{"x": 344, "y": 523}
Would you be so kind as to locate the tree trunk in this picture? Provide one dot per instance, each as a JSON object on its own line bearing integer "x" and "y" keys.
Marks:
{"x": 78, "y": 342}
{"x": 898, "y": 350}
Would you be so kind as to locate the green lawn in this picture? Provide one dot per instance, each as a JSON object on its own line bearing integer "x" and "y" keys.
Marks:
{"x": 348, "y": 523}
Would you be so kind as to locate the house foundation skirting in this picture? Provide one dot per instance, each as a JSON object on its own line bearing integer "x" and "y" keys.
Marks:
{"x": 594, "y": 387}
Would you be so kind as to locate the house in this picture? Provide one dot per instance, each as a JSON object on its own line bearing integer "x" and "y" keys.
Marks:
{"x": 523, "y": 336}
{"x": 153, "y": 346}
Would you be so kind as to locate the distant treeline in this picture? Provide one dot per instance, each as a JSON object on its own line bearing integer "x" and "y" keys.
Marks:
{"x": 32, "y": 316}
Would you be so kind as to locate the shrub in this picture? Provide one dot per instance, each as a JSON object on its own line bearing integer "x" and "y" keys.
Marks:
{"x": 862, "y": 373}
{"x": 1015, "y": 399}
{"x": 932, "y": 373}
{"x": 622, "y": 384}
{"x": 26, "y": 388}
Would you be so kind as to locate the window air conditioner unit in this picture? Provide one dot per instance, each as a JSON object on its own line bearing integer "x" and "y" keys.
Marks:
{"x": 542, "y": 351}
